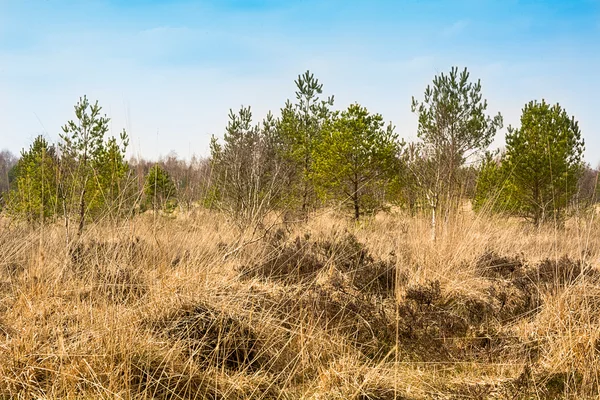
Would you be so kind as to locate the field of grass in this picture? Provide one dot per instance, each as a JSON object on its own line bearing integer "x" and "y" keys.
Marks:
{"x": 326, "y": 309}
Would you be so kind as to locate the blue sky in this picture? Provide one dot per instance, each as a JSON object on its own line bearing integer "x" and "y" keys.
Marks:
{"x": 169, "y": 71}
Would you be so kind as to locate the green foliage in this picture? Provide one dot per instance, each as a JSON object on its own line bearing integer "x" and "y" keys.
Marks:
{"x": 544, "y": 160}
{"x": 356, "y": 160}
{"x": 92, "y": 169}
{"x": 300, "y": 130}
{"x": 453, "y": 126}
{"x": 311, "y": 154}
{"x": 33, "y": 195}
{"x": 110, "y": 174}
{"x": 159, "y": 189}
{"x": 407, "y": 185}
{"x": 494, "y": 191}
{"x": 452, "y": 117}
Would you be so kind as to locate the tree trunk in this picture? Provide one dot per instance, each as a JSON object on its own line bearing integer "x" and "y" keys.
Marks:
{"x": 304, "y": 199}
{"x": 537, "y": 206}
{"x": 355, "y": 200}
{"x": 433, "y": 224}
{"x": 433, "y": 203}
{"x": 66, "y": 216}
{"x": 81, "y": 213}
{"x": 82, "y": 197}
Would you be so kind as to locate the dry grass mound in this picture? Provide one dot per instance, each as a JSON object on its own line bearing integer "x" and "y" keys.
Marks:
{"x": 300, "y": 260}
{"x": 527, "y": 385}
{"x": 211, "y": 337}
{"x": 554, "y": 274}
{"x": 294, "y": 261}
{"x": 492, "y": 265}
{"x": 111, "y": 270}
{"x": 151, "y": 377}
{"x": 95, "y": 252}
{"x": 330, "y": 310}
{"x": 348, "y": 379}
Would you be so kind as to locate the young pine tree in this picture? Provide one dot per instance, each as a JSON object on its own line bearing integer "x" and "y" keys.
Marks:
{"x": 301, "y": 131}
{"x": 494, "y": 191}
{"x": 356, "y": 159}
{"x": 90, "y": 166}
{"x": 159, "y": 189}
{"x": 111, "y": 174}
{"x": 544, "y": 160}
{"x": 453, "y": 126}
{"x": 249, "y": 176}
{"x": 33, "y": 196}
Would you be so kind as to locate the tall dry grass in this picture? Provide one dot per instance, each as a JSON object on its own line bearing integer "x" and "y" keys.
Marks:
{"x": 327, "y": 309}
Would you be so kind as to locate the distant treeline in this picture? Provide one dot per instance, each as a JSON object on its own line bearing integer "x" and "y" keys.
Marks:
{"x": 312, "y": 155}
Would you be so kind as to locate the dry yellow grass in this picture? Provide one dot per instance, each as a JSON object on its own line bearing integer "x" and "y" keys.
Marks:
{"x": 322, "y": 310}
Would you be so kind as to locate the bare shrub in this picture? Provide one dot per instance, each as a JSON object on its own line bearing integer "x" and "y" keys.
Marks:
{"x": 426, "y": 321}
{"x": 559, "y": 273}
{"x": 295, "y": 261}
{"x": 343, "y": 312}
{"x": 492, "y": 265}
